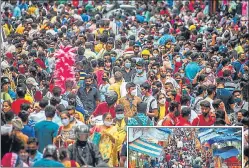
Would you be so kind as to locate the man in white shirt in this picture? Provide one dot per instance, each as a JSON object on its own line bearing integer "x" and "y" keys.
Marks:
{"x": 88, "y": 52}
{"x": 39, "y": 113}
{"x": 185, "y": 102}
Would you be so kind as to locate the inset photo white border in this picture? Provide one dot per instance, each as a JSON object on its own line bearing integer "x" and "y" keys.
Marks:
{"x": 143, "y": 141}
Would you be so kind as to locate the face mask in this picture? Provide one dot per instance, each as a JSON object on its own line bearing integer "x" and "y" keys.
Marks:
{"x": 127, "y": 65}
{"x": 162, "y": 101}
{"x": 156, "y": 37}
{"x": 208, "y": 70}
{"x": 81, "y": 143}
{"x": 237, "y": 100}
{"x": 133, "y": 92}
{"x": 108, "y": 123}
{"x": 155, "y": 71}
{"x": 178, "y": 81}
{"x": 32, "y": 151}
{"x": 139, "y": 71}
{"x": 186, "y": 49}
{"x": 163, "y": 75}
{"x": 168, "y": 99}
{"x": 155, "y": 91}
{"x": 119, "y": 116}
{"x": 105, "y": 79}
{"x": 71, "y": 118}
{"x": 182, "y": 74}
{"x": 184, "y": 92}
{"x": 155, "y": 55}
{"x": 178, "y": 59}
{"x": 65, "y": 122}
{"x": 205, "y": 114}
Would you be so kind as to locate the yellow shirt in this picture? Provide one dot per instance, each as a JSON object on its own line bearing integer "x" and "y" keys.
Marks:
{"x": 98, "y": 47}
{"x": 81, "y": 117}
{"x": 162, "y": 112}
{"x": 29, "y": 98}
{"x": 20, "y": 29}
{"x": 107, "y": 148}
{"x": 67, "y": 163}
{"x": 120, "y": 134}
{"x": 116, "y": 88}
{"x": 7, "y": 30}
{"x": 32, "y": 10}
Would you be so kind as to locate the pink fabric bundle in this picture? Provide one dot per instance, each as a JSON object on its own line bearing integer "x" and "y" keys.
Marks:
{"x": 64, "y": 68}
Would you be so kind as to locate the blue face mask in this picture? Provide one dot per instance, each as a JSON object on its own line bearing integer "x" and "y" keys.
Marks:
{"x": 119, "y": 116}
{"x": 113, "y": 59}
{"x": 156, "y": 37}
{"x": 127, "y": 65}
{"x": 139, "y": 71}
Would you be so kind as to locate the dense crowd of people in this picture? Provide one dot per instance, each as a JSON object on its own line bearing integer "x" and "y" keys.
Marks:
{"x": 166, "y": 63}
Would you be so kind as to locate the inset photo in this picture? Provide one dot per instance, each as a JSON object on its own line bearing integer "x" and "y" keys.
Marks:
{"x": 188, "y": 147}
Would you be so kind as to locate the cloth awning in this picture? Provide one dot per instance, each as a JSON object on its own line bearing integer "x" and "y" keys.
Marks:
{"x": 226, "y": 152}
{"x": 221, "y": 139}
{"x": 147, "y": 148}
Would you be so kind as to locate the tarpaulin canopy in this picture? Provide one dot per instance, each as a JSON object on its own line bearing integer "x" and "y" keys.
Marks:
{"x": 226, "y": 152}
{"x": 167, "y": 130}
{"x": 223, "y": 138}
{"x": 147, "y": 148}
{"x": 148, "y": 134}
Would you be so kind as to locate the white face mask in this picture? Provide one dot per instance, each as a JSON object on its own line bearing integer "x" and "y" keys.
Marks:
{"x": 108, "y": 123}
{"x": 119, "y": 116}
{"x": 134, "y": 92}
{"x": 208, "y": 70}
{"x": 178, "y": 59}
{"x": 65, "y": 122}
{"x": 162, "y": 101}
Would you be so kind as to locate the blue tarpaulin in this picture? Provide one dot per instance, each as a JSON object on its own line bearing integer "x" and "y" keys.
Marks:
{"x": 167, "y": 130}
{"x": 226, "y": 152}
{"x": 147, "y": 148}
{"x": 223, "y": 138}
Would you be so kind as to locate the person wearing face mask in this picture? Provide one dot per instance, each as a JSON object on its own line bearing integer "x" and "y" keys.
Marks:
{"x": 108, "y": 140}
{"x": 239, "y": 102}
{"x": 72, "y": 111}
{"x": 130, "y": 101}
{"x": 83, "y": 151}
{"x": 127, "y": 70}
{"x": 200, "y": 96}
{"x": 161, "y": 99}
{"x": 185, "y": 117}
{"x": 206, "y": 118}
{"x": 33, "y": 154}
{"x": 211, "y": 79}
{"x": 65, "y": 134}
{"x": 103, "y": 88}
{"x": 185, "y": 102}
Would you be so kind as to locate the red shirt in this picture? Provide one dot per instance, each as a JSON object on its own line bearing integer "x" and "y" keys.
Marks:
{"x": 200, "y": 121}
{"x": 99, "y": 74}
{"x": 103, "y": 108}
{"x": 168, "y": 157}
{"x": 170, "y": 120}
{"x": 183, "y": 122}
{"x": 16, "y": 105}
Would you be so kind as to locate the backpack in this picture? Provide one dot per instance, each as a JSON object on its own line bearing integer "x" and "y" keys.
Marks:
{"x": 150, "y": 108}
{"x": 140, "y": 123}
{"x": 195, "y": 105}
